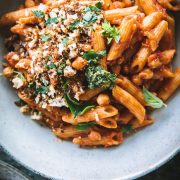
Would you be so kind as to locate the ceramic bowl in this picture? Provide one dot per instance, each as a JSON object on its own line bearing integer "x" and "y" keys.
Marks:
{"x": 8, "y": 172}
{"x": 39, "y": 150}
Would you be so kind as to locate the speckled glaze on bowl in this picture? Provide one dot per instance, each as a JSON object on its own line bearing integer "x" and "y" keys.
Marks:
{"x": 39, "y": 150}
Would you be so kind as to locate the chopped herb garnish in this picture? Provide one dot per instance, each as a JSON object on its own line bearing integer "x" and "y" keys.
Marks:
{"x": 65, "y": 41}
{"x": 99, "y": 5}
{"x": 152, "y": 100}
{"x": 97, "y": 77}
{"x": 19, "y": 75}
{"x": 74, "y": 25}
{"x": 111, "y": 32}
{"x": 126, "y": 128}
{"x": 93, "y": 56}
{"x": 42, "y": 89}
{"x": 85, "y": 126}
{"x": 91, "y": 14}
{"x": 51, "y": 66}
{"x": 61, "y": 68}
{"x": 50, "y": 21}
{"x": 45, "y": 37}
{"x": 50, "y": 58}
{"x": 38, "y": 14}
{"x": 77, "y": 108}
{"x": 89, "y": 17}
{"x": 32, "y": 85}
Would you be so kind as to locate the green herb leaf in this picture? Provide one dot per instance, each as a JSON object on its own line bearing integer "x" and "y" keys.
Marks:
{"x": 77, "y": 108}
{"x": 111, "y": 32}
{"x": 85, "y": 126}
{"x": 74, "y": 25}
{"x": 89, "y": 17}
{"x": 99, "y": 5}
{"x": 126, "y": 128}
{"x": 51, "y": 66}
{"x": 42, "y": 90}
{"x": 61, "y": 68}
{"x": 152, "y": 100}
{"x": 50, "y": 21}
{"x": 19, "y": 75}
{"x": 96, "y": 76}
{"x": 45, "y": 37}
{"x": 93, "y": 56}
{"x": 65, "y": 41}
{"x": 38, "y": 14}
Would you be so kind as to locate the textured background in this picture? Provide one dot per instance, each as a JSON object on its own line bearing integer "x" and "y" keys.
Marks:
{"x": 169, "y": 171}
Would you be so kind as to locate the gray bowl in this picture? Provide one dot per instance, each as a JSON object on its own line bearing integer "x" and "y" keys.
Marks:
{"x": 38, "y": 149}
{"x": 8, "y": 172}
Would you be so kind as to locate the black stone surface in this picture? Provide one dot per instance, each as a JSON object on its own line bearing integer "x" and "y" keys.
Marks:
{"x": 169, "y": 171}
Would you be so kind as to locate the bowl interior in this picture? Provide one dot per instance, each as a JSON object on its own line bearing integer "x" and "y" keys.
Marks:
{"x": 38, "y": 149}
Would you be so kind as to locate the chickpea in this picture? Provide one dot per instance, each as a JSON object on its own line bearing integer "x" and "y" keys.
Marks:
{"x": 103, "y": 99}
{"x": 8, "y": 71}
{"x": 79, "y": 63}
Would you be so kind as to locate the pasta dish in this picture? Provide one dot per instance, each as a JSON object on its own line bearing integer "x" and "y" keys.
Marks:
{"x": 92, "y": 70}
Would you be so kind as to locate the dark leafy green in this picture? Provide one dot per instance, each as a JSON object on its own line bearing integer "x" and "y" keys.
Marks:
{"x": 85, "y": 126}
{"x": 152, "y": 100}
{"x": 77, "y": 108}
{"x": 126, "y": 128}
{"x": 99, "y": 5}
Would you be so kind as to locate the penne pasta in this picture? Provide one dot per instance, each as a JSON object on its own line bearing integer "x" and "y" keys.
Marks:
{"x": 126, "y": 29}
{"x": 120, "y": 12}
{"x": 156, "y": 34}
{"x": 140, "y": 59}
{"x": 131, "y": 88}
{"x": 129, "y": 102}
{"x": 12, "y": 17}
{"x": 100, "y": 112}
{"x": 170, "y": 86}
{"x": 151, "y": 20}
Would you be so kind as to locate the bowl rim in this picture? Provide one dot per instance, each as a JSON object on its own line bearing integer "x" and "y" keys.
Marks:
{"x": 12, "y": 168}
{"x": 128, "y": 177}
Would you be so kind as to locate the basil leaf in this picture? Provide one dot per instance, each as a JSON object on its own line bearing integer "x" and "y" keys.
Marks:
{"x": 38, "y": 14}
{"x": 152, "y": 100}
{"x": 77, "y": 108}
{"x": 126, "y": 128}
{"x": 85, "y": 126}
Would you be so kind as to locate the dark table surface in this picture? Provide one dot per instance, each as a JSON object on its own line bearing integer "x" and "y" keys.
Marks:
{"x": 169, "y": 171}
